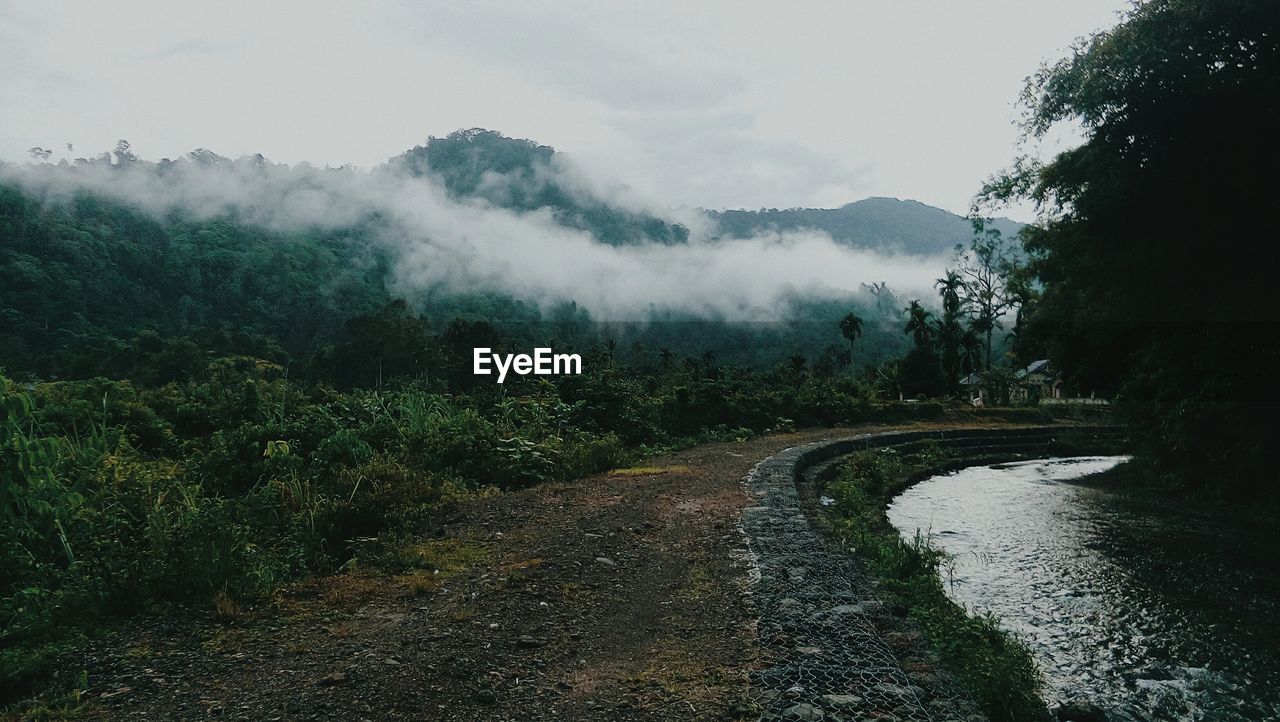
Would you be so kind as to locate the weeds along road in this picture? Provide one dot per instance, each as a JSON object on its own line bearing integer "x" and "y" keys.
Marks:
{"x": 619, "y": 596}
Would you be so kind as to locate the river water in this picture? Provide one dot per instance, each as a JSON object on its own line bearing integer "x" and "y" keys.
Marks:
{"x": 1151, "y": 610}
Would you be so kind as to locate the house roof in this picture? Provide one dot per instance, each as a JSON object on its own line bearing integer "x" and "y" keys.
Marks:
{"x": 1041, "y": 366}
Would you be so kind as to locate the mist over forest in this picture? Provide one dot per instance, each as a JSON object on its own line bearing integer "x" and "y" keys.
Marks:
{"x": 251, "y": 467}
{"x": 472, "y": 225}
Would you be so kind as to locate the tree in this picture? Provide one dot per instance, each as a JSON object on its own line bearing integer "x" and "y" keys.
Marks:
{"x": 951, "y": 289}
{"x": 984, "y": 269}
{"x": 920, "y": 371}
{"x": 832, "y": 359}
{"x": 796, "y": 368}
{"x": 124, "y": 152}
{"x": 950, "y": 334}
{"x": 1144, "y": 228}
{"x": 886, "y": 299}
{"x": 851, "y": 329}
{"x": 383, "y": 345}
{"x": 919, "y": 325}
{"x": 971, "y": 350}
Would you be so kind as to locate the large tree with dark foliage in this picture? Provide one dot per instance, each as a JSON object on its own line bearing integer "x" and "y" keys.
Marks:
{"x": 1156, "y": 240}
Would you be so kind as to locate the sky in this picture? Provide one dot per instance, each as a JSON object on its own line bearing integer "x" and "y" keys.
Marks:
{"x": 708, "y": 104}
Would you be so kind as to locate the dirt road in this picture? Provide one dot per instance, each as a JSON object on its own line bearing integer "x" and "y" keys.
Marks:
{"x": 619, "y": 596}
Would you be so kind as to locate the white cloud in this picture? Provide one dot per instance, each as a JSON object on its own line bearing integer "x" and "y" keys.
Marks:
{"x": 438, "y": 242}
{"x": 710, "y": 104}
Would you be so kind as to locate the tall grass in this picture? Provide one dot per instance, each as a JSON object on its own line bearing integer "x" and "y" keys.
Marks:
{"x": 988, "y": 662}
{"x": 215, "y": 490}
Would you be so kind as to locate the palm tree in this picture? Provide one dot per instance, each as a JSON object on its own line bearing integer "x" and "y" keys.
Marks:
{"x": 851, "y": 328}
{"x": 918, "y": 324}
{"x": 950, "y": 287}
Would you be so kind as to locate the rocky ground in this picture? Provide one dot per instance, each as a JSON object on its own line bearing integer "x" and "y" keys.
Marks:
{"x": 620, "y": 596}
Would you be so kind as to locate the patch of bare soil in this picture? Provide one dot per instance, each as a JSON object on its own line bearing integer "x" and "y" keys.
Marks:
{"x": 619, "y": 596}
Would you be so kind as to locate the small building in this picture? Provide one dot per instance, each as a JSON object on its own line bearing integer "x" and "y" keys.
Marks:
{"x": 976, "y": 390}
{"x": 1037, "y": 381}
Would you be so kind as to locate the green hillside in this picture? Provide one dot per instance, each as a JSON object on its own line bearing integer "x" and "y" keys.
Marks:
{"x": 884, "y": 224}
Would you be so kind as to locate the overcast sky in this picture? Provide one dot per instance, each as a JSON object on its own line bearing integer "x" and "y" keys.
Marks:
{"x": 720, "y": 105}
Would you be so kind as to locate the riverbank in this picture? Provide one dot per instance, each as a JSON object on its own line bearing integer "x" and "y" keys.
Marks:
{"x": 1142, "y": 607}
{"x": 989, "y": 664}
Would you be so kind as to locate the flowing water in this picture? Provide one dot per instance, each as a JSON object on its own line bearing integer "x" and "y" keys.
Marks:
{"x": 1151, "y": 610}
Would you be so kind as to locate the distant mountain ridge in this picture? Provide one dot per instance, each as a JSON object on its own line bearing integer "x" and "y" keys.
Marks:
{"x": 518, "y": 174}
{"x": 92, "y": 270}
{"x": 886, "y": 224}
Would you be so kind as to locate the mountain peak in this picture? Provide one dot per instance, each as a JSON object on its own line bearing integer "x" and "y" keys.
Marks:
{"x": 880, "y": 223}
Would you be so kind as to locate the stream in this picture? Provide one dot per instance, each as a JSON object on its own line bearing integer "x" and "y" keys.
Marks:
{"x": 1150, "y": 609}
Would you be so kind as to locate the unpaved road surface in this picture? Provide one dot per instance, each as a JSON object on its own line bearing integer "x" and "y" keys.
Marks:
{"x": 615, "y": 597}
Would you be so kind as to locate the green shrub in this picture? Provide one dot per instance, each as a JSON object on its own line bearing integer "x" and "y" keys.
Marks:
{"x": 229, "y": 480}
{"x": 582, "y": 454}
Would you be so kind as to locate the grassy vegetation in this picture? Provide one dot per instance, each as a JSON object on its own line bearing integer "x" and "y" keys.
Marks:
{"x": 989, "y": 663}
{"x": 214, "y": 491}
{"x": 650, "y": 470}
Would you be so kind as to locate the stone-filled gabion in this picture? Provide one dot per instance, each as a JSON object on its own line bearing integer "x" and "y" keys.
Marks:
{"x": 827, "y": 655}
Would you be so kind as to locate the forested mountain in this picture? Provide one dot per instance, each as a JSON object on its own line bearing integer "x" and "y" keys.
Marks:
{"x": 81, "y": 279}
{"x": 86, "y": 270}
{"x": 92, "y": 285}
{"x": 524, "y": 176}
{"x": 885, "y": 224}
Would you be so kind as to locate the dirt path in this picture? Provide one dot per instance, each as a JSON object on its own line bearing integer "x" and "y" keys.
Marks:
{"x": 619, "y": 596}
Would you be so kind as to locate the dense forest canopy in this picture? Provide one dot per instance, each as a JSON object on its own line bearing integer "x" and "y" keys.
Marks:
{"x": 1157, "y": 240}
{"x": 100, "y": 250}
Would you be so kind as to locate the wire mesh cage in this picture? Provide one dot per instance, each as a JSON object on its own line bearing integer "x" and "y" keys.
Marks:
{"x": 826, "y": 653}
